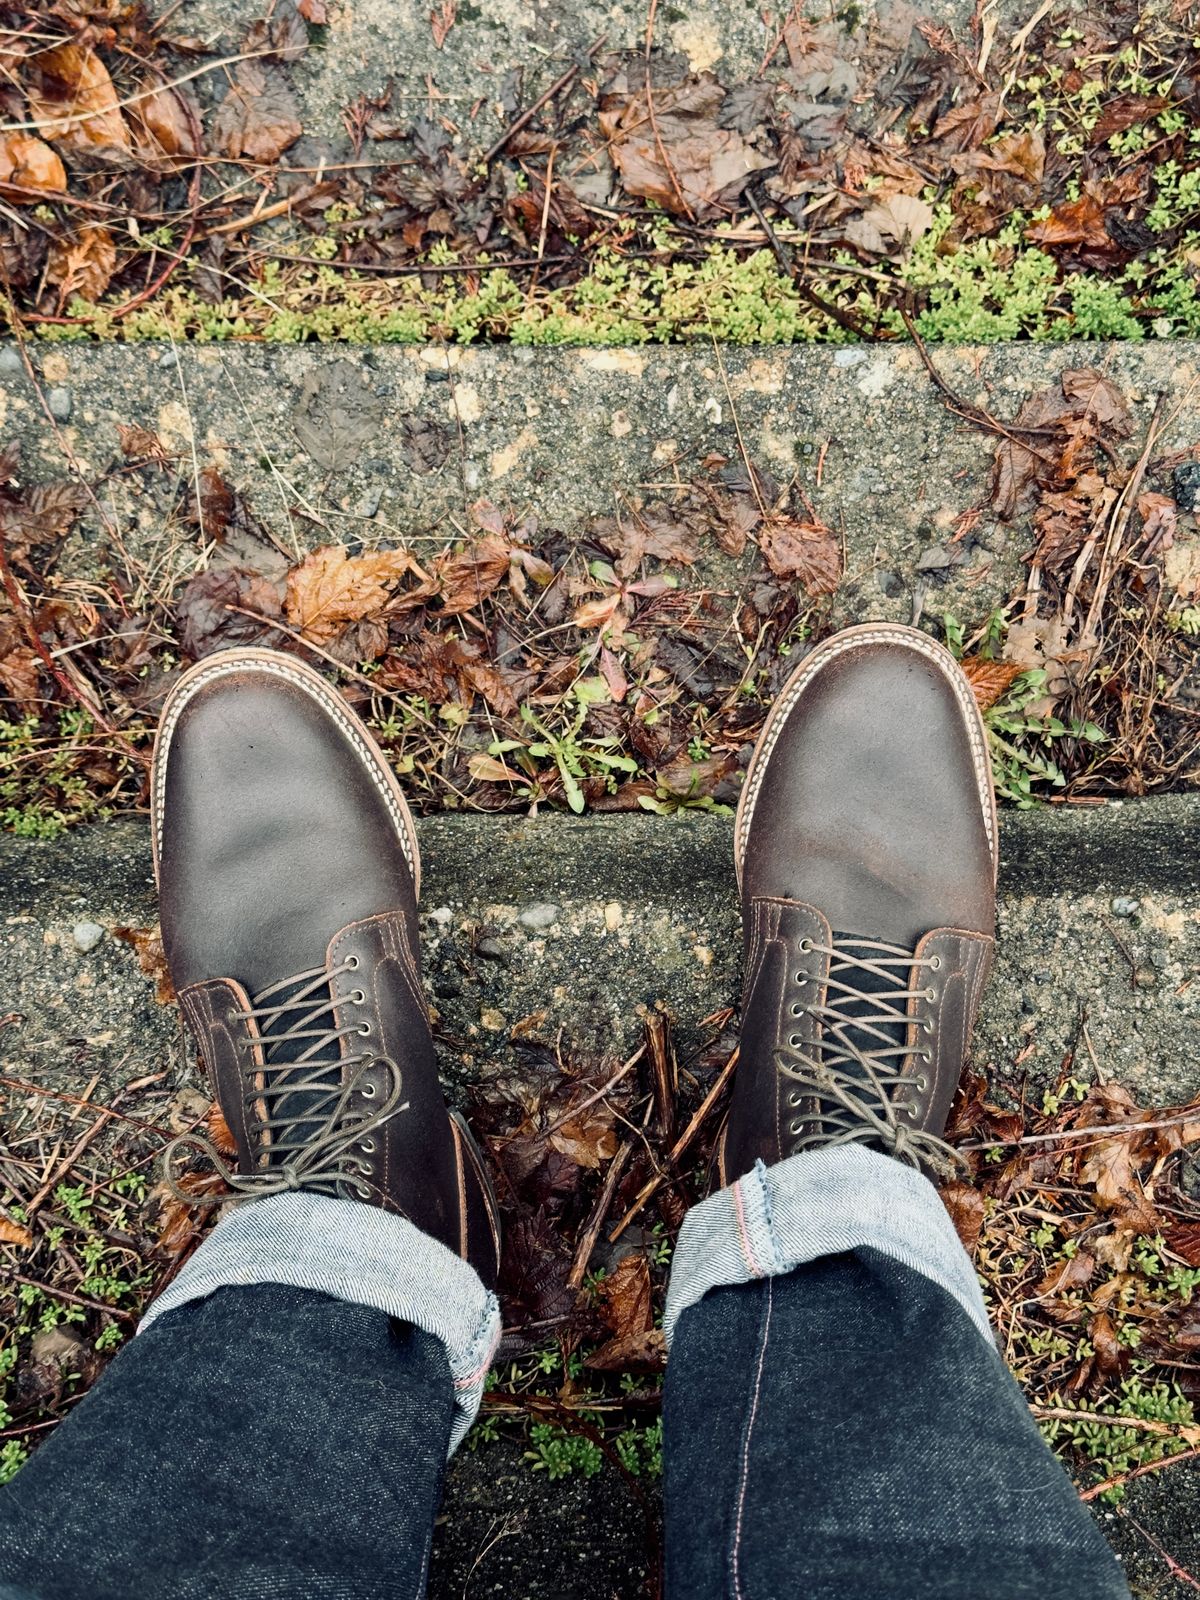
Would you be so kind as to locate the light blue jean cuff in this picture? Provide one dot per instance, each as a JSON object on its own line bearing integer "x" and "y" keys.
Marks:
{"x": 357, "y": 1253}
{"x": 820, "y": 1203}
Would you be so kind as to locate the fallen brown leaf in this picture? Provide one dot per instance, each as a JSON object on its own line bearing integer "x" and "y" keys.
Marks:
{"x": 469, "y": 575}
{"x": 1103, "y": 1334}
{"x": 218, "y": 1131}
{"x": 15, "y": 1233}
{"x": 19, "y": 675}
{"x": 329, "y": 588}
{"x": 989, "y": 680}
{"x": 644, "y": 1352}
{"x": 166, "y": 127}
{"x": 624, "y": 1298}
{"x": 82, "y": 264}
{"x": 668, "y": 147}
{"x": 71, "y": 97}
{"x": 1078, "y": 222}
{"x": 965, "y": 1205}
{"x": 27, "y": 164}
{"x": 1073, "y": 1273}
{"x": 259, "y": 117}
{"x": 807, "y": 552}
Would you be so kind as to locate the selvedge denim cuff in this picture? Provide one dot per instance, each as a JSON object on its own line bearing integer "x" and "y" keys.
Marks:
{"x": 357, "y": 1253}
{"x": 820, "y": 1203}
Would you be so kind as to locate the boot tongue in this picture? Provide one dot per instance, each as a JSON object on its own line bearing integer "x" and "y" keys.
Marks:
{"x": 306, "y": 1109}
{"x": 861, "y": 1004}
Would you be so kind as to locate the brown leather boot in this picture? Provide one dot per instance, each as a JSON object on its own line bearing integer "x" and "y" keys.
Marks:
{"x": 866, "y": 855}
{"x": 288, "y": 875}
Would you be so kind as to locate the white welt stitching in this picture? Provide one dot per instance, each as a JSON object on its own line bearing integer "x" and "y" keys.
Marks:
{"x": 325, "y": 699}
{"x": 822, "y": 658}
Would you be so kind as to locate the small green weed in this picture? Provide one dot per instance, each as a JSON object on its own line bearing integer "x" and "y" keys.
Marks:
{"x": 559, "y": 1453}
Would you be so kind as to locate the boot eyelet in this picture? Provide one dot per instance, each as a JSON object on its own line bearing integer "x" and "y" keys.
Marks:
{"x": 931, "y": 993}
{"x": 928, "y": 1024}
{"x": 365, "y": 1029}
{"x": 912, "y": 1112}
{"x": 797, "y": 1011}
{"x": 357, "y": 997}
{"x": 935, "y": 963}
{"x": 368, "y": 1147}
{"x": 367, "y": 1090}
{"x": 362, "y": 1190}
{"x": 926, "y": 1055}
{"x": 352, "y": 963}
{"x": 922, "y": 1084}
{"x": 794, "y": 1041}
{"x": 805, "y": 947}
{"x": 794, "y": 1099}
{"x": 794, "y": 1129}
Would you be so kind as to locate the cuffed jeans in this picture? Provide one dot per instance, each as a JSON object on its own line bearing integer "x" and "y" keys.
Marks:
{"x": 837, "y": 1420}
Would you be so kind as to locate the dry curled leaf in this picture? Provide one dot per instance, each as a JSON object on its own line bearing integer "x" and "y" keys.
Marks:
{"x": 891, "y": 226}
{"x": 218, "y": 1131}
{"x": 1077, "y": 222}
{"x": 72, "y": 99}
{"x": 82, "y": 264}
{"x": 468, "y": 575}
{"x": 29, "y": 165}
{"x": 644, "y": 1352}
{"x": 139, "y": 444}
{"x": 1074, "y": 1273}
{"x": 487, "y": 769}
{"x": 329, "y": 588}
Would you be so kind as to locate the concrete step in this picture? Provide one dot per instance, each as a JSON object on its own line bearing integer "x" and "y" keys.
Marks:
{"x": 586, "y": 920}
{"x": 566, "y": 928}
{"x": 567, "y": 434}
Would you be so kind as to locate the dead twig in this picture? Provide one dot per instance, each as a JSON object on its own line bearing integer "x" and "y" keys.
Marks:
{"x": 964, "y": 408}
{"x": 1120, "y": 1479}
{"x": 591, "y": 1231}
{"x": 683, "y": 1143}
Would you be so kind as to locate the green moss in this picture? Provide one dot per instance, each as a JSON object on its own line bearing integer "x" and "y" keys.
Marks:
{"x": 982, "y": 292}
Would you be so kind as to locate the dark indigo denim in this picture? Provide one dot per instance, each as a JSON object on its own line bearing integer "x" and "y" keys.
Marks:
{"x": 267, "y": 1443}
{"x": 841, "y": 1431}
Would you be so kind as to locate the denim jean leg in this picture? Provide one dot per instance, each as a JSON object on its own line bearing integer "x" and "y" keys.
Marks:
{"x": 265, "y": 1443}
{"x": 837, "y": 1421}
{"x": 279, "y": 1428}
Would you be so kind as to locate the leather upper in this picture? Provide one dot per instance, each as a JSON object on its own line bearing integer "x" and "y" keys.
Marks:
{"x": 283, "y": 846}
{"x": 867, "y": 812}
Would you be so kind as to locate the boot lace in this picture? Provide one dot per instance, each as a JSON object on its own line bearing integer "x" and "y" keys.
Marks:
{"x": 855, "y": 1078}
{"x": 310, "y": 1114}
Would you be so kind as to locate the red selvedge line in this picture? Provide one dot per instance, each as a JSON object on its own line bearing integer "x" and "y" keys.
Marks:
{"x": 752, "y": 1260}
